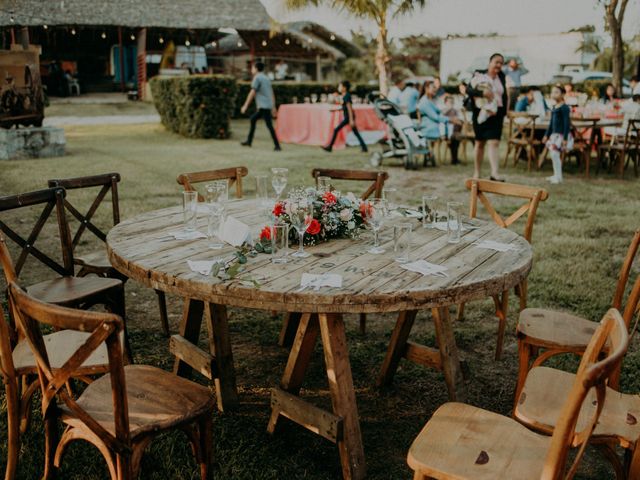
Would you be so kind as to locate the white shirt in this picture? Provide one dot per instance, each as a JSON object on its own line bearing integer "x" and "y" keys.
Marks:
{"x": 636, "y": 89}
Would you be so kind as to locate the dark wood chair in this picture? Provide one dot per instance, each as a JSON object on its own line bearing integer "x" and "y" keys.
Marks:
{"x": 121, "y": 412}
{"x": 96, "y": 262}
{"x": 234, "y": 175}
{"x": 464, "y": 442}
{"x": 66, "y": 289}
{"x": 532, "y": 196}
{"x": 377, "y": 179}
{"x": 543, "y": 333}
{"x": 622, "y": 150}
{"x": 522, "y": 129}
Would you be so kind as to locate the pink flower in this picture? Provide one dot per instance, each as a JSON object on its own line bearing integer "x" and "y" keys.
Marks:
{"x": 329, "y": 198}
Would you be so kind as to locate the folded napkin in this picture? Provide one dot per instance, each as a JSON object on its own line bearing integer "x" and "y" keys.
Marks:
{"x": 412, "y": 213}
{"x": 309, "y": 280}
{"x": 203, "y": 267}
{"x": 493, "y": 245}
{"x": 425, "y": 268}
{"x": 235, "y": 232}
{"x": 442, "y": 226}
{"x": 184, "y": 235}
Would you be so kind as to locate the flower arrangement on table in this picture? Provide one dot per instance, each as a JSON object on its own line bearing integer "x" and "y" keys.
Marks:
{"x": 334, "y": 216}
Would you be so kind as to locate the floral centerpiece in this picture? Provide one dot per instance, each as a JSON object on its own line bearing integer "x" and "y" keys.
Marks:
{"x": 334, "y": 216}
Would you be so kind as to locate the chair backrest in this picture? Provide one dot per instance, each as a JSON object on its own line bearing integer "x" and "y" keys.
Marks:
{"x": 107, "y": 182}
{"x": 522, "y": 126}
{"x": 532, "y": 195}
{"x": 603, "y": 355}
{"x": 31, "y": 314}
{"x": 52, "y": 199}
{"x": 632, "y": 135}
{"x": 625, "y": 271}
{"x": 233, "y": 174}
{"x": 376, "y": 177}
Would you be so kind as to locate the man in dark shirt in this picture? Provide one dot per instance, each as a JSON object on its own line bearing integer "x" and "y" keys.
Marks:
{"x": 262, "y": 91}
{"x": 349, "y": 117}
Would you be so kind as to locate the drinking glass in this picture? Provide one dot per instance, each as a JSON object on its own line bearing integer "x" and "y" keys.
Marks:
{"x": 324, "y": 184}
{"x": 429, "y": 211}
{"x": 314, "y": 98}
{"x": 402, "y": 241}
{"x": 279, "y": 180}
{"x": 190, "y": 210}
{"x": 262, "y": 190}
{"x": 300, "y": 216}
{"x": 216, "y": 218}
{"x": 389, "y": 195}
{"x": 376, "y": 211}
{"x": 223, "y": 187}
{"x": 214, "y": 195}
{"x": 454, "y": 222}
{"x": 279, "y": 242}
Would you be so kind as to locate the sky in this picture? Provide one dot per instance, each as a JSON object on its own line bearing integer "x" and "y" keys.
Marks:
{"x": 443, "y": 17}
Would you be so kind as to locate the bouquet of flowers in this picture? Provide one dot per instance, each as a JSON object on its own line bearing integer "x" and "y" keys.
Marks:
{"x": 334, "y": 216}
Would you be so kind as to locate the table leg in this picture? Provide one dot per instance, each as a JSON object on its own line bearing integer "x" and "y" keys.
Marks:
{"x": 289, "y": 328}
{"x": 450, "y": 362}
{"x": 220, "y": 349}
{"x": 397, "y": 347}
{"x": 502, "y": 307}
{"x": 343, "y": 397}
{"x": 190, "y": 324}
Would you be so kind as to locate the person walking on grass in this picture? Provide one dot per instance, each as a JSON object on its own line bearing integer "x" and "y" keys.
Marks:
{"x": 349, "y": 117}
{"x": 262, "y": 92}
{"x": 558, "y": 137}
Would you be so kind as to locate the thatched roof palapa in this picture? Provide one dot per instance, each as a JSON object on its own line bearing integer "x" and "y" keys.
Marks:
{"x": 247, "y": 15}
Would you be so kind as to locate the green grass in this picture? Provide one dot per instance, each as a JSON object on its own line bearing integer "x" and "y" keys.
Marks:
{"x": 580, "y": 238}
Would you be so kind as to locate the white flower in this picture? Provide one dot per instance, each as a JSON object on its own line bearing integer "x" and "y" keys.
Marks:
{"x": 351, "y": 225}
{"x": 346, "y": 214}
{"x": 352, "y": 198}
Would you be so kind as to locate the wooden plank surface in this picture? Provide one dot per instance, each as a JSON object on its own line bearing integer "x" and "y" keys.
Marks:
{"x": 143, "y": 248}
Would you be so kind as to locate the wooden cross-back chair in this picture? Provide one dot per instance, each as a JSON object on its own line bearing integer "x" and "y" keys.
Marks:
{"x": 622, "y": 150}
{"x": 532, "y": 197}
{"x": 97, "y": 262}
{"x": 66, "y": 289}
{"x": 465, "y": 442}
{"x": 377, "y": 179}
{"x": 543, "y": 333}
{"x": 19, "y": 373}
{"x": 522, "y": 129}
{"x": 234, "y": 175}
{"x": 121, "y": 412}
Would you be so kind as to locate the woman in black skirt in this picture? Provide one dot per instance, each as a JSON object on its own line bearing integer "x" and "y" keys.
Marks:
{"x": 490, "y": 97}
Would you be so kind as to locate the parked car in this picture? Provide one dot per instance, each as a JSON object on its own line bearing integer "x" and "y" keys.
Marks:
{"x": 589, "y": 75}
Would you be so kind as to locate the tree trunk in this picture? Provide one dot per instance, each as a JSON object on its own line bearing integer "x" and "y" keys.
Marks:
{"x": 382, "y": 55}
{"x": 617, "y": 50}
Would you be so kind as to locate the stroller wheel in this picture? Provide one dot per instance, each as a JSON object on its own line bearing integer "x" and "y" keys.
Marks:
{"x": 376, "y": 159}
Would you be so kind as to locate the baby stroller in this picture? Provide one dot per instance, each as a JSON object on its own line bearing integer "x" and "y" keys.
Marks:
{"x": 403, "y": 139}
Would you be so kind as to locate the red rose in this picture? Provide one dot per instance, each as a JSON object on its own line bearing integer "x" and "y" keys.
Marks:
{"x": 278, "y": 209}
{"x": 265, "y": 234}
{"x": 365, "y": 209}
{"x": 329, "y": 198}
{"x": 314, "y": 227}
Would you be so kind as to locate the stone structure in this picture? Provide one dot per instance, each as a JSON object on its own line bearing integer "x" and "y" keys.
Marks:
{"x": 31, "y": 142}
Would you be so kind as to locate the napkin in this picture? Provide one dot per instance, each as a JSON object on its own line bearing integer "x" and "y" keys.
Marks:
{"x": 425, "y": 268}
{"x": 442, "y": 226}
{"x": 324, "y": 280}
{"x": 184, "y": 235}
{"x": 235, "y": 232}
{"x": 203, "y": 267}
{"x": 493, "y": 245}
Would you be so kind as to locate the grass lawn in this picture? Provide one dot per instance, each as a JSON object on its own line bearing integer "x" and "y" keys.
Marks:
{"x": 580, "y": 238}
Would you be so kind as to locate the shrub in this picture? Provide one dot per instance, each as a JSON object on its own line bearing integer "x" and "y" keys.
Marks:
{"x": 198, "y": 106}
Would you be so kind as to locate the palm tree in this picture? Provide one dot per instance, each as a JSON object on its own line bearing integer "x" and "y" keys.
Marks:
{"x": 614, "y": 16}
{"x": 380, "y": 11}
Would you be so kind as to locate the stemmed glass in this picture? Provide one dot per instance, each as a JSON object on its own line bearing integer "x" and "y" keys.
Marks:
{"x": 376, "y": 211}
{"x": 279, "y": 180}
{"x": 301, "y": 216}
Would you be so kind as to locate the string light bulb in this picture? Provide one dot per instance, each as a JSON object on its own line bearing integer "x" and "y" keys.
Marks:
{"x": 133, "y": 37}
{"x": 73, "y": 31}
{"x": 214, "y": 44}
{"x": 12, "y": 19}
{"x": 239, "y": 44}
{"x": 187, "y": 42}
{"x": 161, "y": 40}
{"x": 333, "y": 37}
{"x": 104, "y": 35}
{"x": 310, "y": 40}
{"x": 264, "y": 43}
{"x": 45, "y": 26}
{"x": 287, "y": 41}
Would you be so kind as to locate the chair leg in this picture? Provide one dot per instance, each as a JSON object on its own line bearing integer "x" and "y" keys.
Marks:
{"x": 206, "y": 446}
{"x": 502, "y": 305}
{"x": 634, "y": 463}
{"x": 117, "y": 305}
{"x": 164, "y": 318}
{"x": 363, "y": 323}
{"x": 524, "y": 358}
{"x": 50, "y": 445}
{"x": 460, "y": 314}
{"x": 13, "y": 427}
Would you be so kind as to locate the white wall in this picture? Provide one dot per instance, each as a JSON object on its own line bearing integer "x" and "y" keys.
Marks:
{"x": 541, "y": 54}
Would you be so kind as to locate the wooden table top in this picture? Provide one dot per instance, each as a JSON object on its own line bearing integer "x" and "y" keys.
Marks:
{"x": 142, "y": 249}
{"x": 585, "y": 122}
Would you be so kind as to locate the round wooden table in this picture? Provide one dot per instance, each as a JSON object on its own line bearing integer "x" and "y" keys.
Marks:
{"x": 143, "y": 249}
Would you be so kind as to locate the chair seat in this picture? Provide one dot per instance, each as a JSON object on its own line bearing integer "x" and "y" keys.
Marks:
{"x": 157, "y": 400}
{"x": 69, "y": 290}
{"x": 98, "y": 259}
{"x": 60, "y": 346}
{"x": 545, "y": 392}
{"x": 465, "y": 442}
{"x": 549, "y": 329}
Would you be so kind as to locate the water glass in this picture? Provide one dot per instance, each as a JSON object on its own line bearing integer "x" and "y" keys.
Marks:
{"x": 190, "y": 210}
{"x": 376, "y": 211}
{"x": 262, "y": 189}
{"x": 429, "y": 211}
{"x": 324, "y": 184}
{"x": 216, "y": 218}
{"x": 389, "y": 194}
{"x": 402, "y": 241}
{"x": 454, "y": 222}
{"x": 279, "y": 180}
{"x": 215, "y": 194}
{"x": 279, "y": 243}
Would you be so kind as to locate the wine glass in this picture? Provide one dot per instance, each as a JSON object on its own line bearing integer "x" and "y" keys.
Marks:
{"x": 376, "y": 212}
{"x": 279, "y": 180}
{"x": 301, "y": 216}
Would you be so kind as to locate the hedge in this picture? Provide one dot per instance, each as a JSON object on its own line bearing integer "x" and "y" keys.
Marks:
{"x": 285, "y": 92}
{"x": 198, "y": 106}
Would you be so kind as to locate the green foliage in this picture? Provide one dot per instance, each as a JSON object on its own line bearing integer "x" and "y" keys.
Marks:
{"x": 196, "y": 106}
{"x": 604, "y": 61}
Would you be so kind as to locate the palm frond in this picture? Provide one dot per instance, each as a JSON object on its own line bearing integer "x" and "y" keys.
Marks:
{"x": 406, "y": 6}
{"x": 299, "y": 4}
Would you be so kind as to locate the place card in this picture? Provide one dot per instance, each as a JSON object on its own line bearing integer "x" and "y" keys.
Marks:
{"x": 235, "y": 232}
{"x": 203, "y": 267}
{"x": 316, "y": 281}
{"x": 493, "y": 245}
{"x": 425, "y": 268}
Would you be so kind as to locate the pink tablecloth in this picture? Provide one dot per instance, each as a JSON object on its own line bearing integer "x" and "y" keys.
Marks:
{"x": 313, "y": 123}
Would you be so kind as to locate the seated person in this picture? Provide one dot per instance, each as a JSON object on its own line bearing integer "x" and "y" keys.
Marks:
{"x": 434, "y": 124}
{"x": 570, "y": 96}
{"x": 631, "y": 111}
{"x": 609, "y": 96}
{"x": 524, "y": 100}
{"x": 409, "y": 100}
